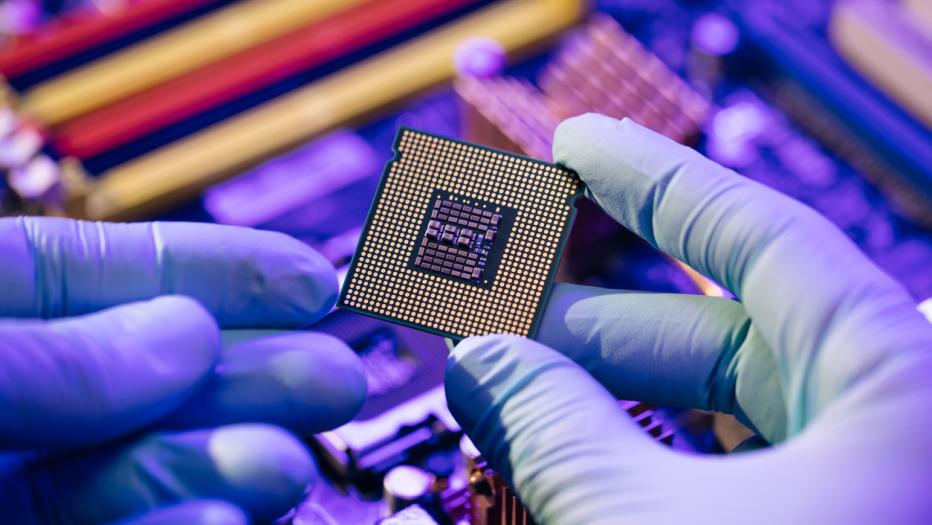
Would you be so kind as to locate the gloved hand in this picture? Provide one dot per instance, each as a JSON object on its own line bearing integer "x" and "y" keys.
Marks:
{"x": 824, "y": 355}
{"x": 134, "y": 406}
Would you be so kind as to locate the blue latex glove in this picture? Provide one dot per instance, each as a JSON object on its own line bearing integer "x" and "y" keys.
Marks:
{"x": 824, "y": 355}
{"x": 131, "y": 406}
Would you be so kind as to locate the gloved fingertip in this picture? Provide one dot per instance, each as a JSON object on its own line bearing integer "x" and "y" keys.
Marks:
{"x": 218, "y": 512}
{"x": 178, "y": 327}
{"x": 326, "y": 378}
{"x": 299, "y": 285}
{"x": 353, "y": 387}
{"x": 192, "y": 321}
{"x": 308, "y": 382}
{"x": 320, "y": 279}
{"x": 268, "y": 467}
{"x": 196, "y": 512}
{"x": 574, "y": 135}
{"x": 262, "y": 469}
{"x": 245, "y": 277}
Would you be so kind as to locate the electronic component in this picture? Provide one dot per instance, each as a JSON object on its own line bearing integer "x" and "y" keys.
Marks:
{"x": 461, "y": 240}
{"x": 160, "y": 178}
{"x": 311, "y": 46}
{"x": 222, "y": 33}
{"x": 413, "y": 515}
{"x": 490, "y": 501}
{"x": 360, "y": 453}
{"x": 404, "y": 419}
{"x": 480, "y": 57}
{"x": 509, "y": 114}
{"x": 810, "y": 82}
{"x": 302, "y": 182}
{"x": 886, "y": 44}
{"x": 788, "y": 53}
{"x": 493, "y": 502}
{"x": 82, "y": 29}
{"x": 609, "y": 71}
{"x": 601, "y": 69}
{"x": 405, "y": 486}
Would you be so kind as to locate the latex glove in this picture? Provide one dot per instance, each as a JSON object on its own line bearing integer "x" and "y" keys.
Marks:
{"x": 132, "y": 403}
{"x": 824, "y": 355}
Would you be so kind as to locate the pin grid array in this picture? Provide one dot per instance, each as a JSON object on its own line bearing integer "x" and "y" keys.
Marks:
{"x": 382, "y": 282}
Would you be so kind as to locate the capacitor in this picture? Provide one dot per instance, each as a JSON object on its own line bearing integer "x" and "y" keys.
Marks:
{"x": 405, "y": 485}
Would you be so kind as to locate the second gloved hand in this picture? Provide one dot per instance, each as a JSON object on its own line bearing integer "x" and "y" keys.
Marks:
{"x": 824, "y": 355}
{"x": 121, "y": 397}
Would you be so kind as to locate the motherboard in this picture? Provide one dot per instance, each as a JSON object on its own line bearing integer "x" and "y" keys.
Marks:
{"x": 287, "y": 121}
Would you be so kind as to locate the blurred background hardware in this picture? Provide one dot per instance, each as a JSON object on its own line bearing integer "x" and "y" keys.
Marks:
{"x": 279, "y": 114}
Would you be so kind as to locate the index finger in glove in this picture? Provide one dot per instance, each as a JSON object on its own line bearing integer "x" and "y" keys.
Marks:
{"x": 246, "y": 278}
{"x": 194, "y": 512}
{"x": 808, "y": 288}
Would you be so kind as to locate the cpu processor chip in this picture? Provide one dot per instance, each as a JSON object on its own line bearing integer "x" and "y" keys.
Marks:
{"x": 461, "y": 240}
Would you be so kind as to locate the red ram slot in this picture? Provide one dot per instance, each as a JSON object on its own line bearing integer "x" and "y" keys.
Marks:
{"x": 244, "y": 73}
{"x": 71, "y": 35}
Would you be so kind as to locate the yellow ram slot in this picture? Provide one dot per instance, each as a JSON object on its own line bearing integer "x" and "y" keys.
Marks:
{"x": 202, "y": 41}
{"x": 182, "y": 169}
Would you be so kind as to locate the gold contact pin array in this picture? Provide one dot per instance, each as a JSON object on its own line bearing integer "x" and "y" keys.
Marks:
{"x": 381, "y": 281}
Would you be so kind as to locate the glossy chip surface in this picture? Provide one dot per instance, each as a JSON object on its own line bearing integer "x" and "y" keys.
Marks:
{"x": 461, "y": 240}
